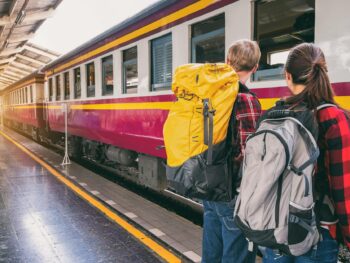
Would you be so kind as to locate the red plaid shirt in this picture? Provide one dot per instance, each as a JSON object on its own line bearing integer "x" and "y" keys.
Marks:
{"x": 247, "y": 111}
{"x": 333, "y": 169}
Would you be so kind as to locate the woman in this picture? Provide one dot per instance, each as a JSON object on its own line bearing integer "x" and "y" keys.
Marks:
{"x": 308, "y": 81}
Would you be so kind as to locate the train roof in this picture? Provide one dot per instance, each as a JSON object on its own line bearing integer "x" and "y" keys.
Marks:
{"x": 37, "y": 75}
{"x": 145, "y": 13}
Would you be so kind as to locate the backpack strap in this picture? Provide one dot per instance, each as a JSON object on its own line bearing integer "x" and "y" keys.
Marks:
{"x": 313, "y": 158}
{"x": 325, "y": 105}
{"x": 208, "y": 129}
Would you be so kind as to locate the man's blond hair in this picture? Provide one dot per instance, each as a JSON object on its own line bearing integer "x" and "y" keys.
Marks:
{"x": 244, "y": 55}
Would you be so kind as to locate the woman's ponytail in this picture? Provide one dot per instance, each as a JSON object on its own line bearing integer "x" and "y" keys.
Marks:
{"x": 307, "y": 65}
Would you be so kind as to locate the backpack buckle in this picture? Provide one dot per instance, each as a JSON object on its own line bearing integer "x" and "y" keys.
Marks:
{"x": 294, "y": 219}
{"x": 294, "y": 169}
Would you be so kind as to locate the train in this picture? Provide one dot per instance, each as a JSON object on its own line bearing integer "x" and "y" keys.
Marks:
{"x": 117, "y": 86}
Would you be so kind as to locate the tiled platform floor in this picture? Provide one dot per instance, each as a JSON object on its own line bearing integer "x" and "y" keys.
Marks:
{"x": 178, "y": 233}
{"x": 41, "y": 220}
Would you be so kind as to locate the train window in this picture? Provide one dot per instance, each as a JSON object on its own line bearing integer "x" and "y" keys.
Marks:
{"x": 26, "y": 95}
{"x": 31, "y": 94}
{"x": 90, "y": 79}
{"x": 58, "y": 87}
{"x": 66, "y": 85}
{"x": 50, "y": 90}
{"x": 107, "y": 75}
{"x": 208, "y": 40}
{"x": 162, "y": 52}
{"x": 278, "y": 26}
{"x": 77, "y": 83}
{"x": 130, "y": 74}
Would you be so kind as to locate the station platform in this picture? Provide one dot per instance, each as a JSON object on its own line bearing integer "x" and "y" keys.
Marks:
{"x": 55, "y": 213}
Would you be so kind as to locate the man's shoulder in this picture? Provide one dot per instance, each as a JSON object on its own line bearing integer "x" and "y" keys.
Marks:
{"x": 247, "y": 97}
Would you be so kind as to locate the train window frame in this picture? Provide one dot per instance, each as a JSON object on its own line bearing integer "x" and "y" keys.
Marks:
{"x": 50, "y": 89}
{"x": 164, "y": 85}
{"x": 58, "y": 87}
{"x": 195, "y": 40}
{"x": 66, "y": 85}
{"x": 31, "y": 94}
{"x": 26, "y": 95}
{"x": 285, "y": 40}
{"x": 77, "y": 86}
{"x": 127, "y": 63}
{"x": 22, "y": 96}
{"x": 89, "y": 93}
{"x": 107, "y": 91}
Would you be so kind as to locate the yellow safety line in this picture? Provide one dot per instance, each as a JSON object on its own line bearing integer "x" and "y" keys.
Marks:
{"x": 153, "y": 245}
{"x": 137, "y": 33}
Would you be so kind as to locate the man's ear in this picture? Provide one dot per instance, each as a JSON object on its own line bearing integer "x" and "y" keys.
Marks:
{"x": 228, "y": 61}
{"x": 288, "y": 76}
{"x": 255, "y": 68}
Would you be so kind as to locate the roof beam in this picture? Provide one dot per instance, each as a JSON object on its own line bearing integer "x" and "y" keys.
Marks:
{"x": 11, "y": 73}
{"x": 8, "y": 52}
{"x": 38, "y": 15}
{"x": 6, "y": 60}
{"x": 23, "y": 66}
{"x": 6, "y": 81}
{"x": 13, "y": 7}
{"x": 4, "y": 84}
{"x": 30, "y": 59}
{"x": 16, "y": 70}
{"x": 40, "y": 52}
{"x": 20, "y": 38}
{"x": 8, "y": 77}
{"x": 26, "y": 17}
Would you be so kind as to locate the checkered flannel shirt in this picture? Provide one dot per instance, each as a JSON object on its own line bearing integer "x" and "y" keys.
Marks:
{"x": 333, "y": 167}
{"x": 247, "y": 113}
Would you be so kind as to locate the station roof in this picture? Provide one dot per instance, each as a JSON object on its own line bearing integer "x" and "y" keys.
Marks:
{"x": 19, "y": 20}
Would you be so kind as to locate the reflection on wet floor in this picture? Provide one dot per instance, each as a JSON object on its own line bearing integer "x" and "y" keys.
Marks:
{"x": 41, "y": 220}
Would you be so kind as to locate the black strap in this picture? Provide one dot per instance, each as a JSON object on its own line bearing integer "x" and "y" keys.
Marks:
{"x": 315, "y": 152}
{"x": 208, "y": 129}
{"x": 205, "y": 115}
{"x": 210, "y": 143}
{"x": 303, "y": 222}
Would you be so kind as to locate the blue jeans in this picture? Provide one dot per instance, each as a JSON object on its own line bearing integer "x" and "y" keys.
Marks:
{"x": 223, "y": 241}
{"x": 326, "y": 251}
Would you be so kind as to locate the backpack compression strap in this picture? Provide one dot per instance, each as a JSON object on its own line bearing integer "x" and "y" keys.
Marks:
{"x": 208, "y": 129}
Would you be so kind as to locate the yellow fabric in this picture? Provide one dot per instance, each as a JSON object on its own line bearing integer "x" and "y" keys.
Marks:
{"x": 184, "y": 128}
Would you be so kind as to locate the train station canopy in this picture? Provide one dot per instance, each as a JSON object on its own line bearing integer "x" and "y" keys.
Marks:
{"x": 19, "y": 20}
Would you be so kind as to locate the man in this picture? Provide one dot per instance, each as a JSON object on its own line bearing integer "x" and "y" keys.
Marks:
{"x": 222, "y": 240}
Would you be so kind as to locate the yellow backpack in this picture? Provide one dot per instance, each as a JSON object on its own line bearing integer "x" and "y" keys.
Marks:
{"x": 196, "y": 132}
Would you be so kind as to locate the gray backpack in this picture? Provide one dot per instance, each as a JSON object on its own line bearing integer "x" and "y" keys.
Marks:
{"x": 275, "y": 206}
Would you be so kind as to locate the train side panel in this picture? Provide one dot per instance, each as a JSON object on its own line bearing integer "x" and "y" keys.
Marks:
{"x": 135, "y": 123}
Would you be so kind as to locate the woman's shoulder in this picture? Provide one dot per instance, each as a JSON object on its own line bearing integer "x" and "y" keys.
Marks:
{"x": 333, "y": 116}
{"x": 332, "y": 112}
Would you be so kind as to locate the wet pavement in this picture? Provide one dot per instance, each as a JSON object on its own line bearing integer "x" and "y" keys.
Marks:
{"x": 41, "y": 220}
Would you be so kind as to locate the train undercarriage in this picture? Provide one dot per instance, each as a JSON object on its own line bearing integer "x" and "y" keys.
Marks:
{"x": 144, "y": 170}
